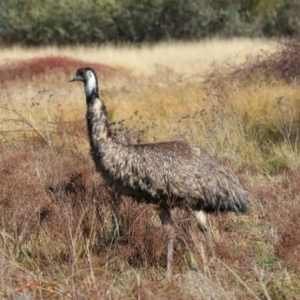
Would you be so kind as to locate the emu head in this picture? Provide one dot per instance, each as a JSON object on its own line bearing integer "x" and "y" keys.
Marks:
{"x": 89, "y": 78}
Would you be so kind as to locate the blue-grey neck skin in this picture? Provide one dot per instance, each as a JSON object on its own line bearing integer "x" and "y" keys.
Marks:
{"x": 91, "y": 87}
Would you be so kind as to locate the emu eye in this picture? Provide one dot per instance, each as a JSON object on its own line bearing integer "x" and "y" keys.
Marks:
{"x": 81, "y": 74}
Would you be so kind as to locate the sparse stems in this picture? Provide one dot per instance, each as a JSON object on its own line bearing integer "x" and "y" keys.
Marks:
{"x": 29, "y": 124}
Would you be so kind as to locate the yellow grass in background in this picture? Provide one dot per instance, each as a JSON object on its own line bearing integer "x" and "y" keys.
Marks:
{"x": 182, "y": 57}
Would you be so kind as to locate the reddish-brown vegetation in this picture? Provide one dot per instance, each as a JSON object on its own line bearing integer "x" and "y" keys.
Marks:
{"x": 45, "y": 65}
{"x": 61, "y": 196}
{"x": 279, "y": 216}
{"x": 55, "y": 207}
{"x": 283, "y": 64}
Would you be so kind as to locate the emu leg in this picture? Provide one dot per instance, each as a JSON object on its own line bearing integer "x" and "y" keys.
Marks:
{"x": 166, "y": 220}
{"x": 201, "y": 218}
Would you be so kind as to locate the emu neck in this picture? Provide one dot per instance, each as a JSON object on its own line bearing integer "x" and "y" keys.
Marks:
{"x": 97, "y": 121}
{"x": 91, "y": 88}
{"x": 91, "y": 92}
{"x": 96, "y": 117}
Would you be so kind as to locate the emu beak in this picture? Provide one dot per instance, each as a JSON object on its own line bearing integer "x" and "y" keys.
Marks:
{"x": 76, "y": 78}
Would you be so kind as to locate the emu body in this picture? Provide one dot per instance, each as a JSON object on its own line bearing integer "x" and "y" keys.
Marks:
{"x": 168, "y": 174}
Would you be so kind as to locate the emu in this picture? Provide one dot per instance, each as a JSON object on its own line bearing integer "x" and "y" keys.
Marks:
{"x": 169, "y": 174}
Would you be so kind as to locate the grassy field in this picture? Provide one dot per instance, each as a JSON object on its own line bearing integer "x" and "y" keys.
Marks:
{"x": 64, "y": 235}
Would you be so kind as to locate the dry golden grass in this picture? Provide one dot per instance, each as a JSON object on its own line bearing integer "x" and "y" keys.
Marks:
{"x": 187, "y": 58}
{"x": 63, "y": 235}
